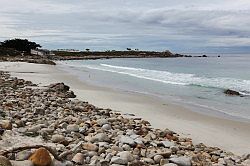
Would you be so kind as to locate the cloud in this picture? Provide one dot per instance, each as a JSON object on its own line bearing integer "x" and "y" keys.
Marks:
{"x": 117, "y": 24}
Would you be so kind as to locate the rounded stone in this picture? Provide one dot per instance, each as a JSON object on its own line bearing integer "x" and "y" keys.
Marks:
{"x": 6, "y": 124}
{"x": 78, "y": 158}
{"x": 4, "y": 161}
{"x": 73, "y": 127}
{"x": 157, "y": 158}
{"x": 57, "y": 138}
{"x": 41, "y": 157}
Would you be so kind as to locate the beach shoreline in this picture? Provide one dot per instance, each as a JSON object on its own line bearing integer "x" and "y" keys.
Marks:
{"x": 223, "y": 133}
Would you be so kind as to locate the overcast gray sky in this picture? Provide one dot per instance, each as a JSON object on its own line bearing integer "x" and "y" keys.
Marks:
{"x": 178, "y": 25}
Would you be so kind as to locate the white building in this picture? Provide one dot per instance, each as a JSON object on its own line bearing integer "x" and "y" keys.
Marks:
{"x": 41, "y": 52}
{"x": 68, "y": 50}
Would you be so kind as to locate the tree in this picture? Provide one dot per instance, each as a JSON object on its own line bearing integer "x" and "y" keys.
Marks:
{"x": 20, "y": 44}
{"x": 129, "y": 49}
{"x": 87, "y": 49}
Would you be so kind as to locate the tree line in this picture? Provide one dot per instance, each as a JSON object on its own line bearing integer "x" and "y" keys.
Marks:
{"x": 22, "y": 45}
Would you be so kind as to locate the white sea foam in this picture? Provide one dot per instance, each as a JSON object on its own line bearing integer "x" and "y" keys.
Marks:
{"x": 176, "y": 78}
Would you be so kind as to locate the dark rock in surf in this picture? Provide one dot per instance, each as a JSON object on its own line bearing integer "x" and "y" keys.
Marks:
{"x": 232, "y": 92}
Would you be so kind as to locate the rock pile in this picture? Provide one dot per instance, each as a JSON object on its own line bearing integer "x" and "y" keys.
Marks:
{"x": 43, "y": 127}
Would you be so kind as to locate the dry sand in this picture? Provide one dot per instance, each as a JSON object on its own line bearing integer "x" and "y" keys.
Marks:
{"x": 227, "y": 134}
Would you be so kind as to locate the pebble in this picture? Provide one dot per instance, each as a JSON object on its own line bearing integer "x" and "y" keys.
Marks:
{"x": 23, "y": 155}
{"x": 157, "y": 158}
{"x": 181, "y": 161}
{"x": 4, "y": 161}
{"x": 118, "y": 160}
{"x": 6, "y": 124}
{"x": 127, "y": 140}
{"x": 126, "y": 155}
{"x": 100, "y": 137}
{"x": 90, "y": 147}
{"x": 73, "y": 127}
{"x": 167, "y": 144}
{"x": 78, "y": 158}
{"x": 57, "y": 138}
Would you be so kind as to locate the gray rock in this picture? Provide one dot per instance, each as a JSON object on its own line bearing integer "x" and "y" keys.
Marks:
{"x": 246, "y": 162}
{"x": 181, "y": 161}
{"x": 23, "y": 155}
{"x": 36, "y": 128}
{"x": 127, "y": 140}
{"x": 170, "y": 164}
{"x": 100, "y": 137}
{"x": 39, "y": 111}
{"x": 164, "y": 161}
{"x": 118, "y": 160}
{"x": 157, "y": 158}
{"x": 73, "y": 127}
{"x": 102, "y": 122}
{"x": 148, "y": 160}
{"x": 167, "y": 144}
{"x": 57, "y": 138}
{"x": 22, "y": 163}
{"x": 166, "y": 153}
{"x": 126, "y": 155}
{"x": 59, "y": 163}
{"x": 4, "y": 161}
{"x": 106, "y": 127}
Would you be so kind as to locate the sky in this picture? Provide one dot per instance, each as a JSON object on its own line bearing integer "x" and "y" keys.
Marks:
{"x": 179, "y": 25}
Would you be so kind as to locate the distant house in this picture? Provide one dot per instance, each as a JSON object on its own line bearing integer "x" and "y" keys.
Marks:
{"x": 68, "y": 50}
{"x": 41, "y": 52}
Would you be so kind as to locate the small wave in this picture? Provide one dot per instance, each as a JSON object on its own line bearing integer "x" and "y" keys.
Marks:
{"x": 243, "y": 86}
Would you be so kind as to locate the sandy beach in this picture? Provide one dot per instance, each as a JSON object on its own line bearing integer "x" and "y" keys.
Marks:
{"x": 223, "y": 133}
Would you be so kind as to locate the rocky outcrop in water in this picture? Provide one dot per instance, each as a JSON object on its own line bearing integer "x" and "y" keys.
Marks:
{"x": 232, "y": 92}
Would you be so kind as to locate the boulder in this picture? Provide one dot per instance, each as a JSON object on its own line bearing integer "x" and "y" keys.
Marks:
{"x": 70, "y": 94}
{"x": 57, "y": 138}
{"x": 4, "y": 161}
{"x": 232, "y": 92}
{"x": 89, "y": 147}
{"x": 100, "y": 137}
{"x": 126, "y": 155}
{"x": 23, "y": 155}
{"x": 102, "y": 122}
{"x": 157, "y": 158}
{"x": 106, "y": 127}
{"x": 73, "y": 127}
{"x": 6, "y": 124}
{"x": 181, "y": 161}
{"x": 118, "y": 160}
{"x": 41, "y": 157}
{"x": 167, "y": 144}
{"x": 127, "y": 140}
{"x": 60, "y": 87}
{"x": 246, "y": 162}
{"x": 78, "y": 158}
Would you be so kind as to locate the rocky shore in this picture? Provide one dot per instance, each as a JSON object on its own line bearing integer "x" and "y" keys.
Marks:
{"x": 45, "y": 126}
{"x": 28, "y": 59}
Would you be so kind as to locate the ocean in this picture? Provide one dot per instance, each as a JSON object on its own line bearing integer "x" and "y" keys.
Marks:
{"x": 196, "y": 83}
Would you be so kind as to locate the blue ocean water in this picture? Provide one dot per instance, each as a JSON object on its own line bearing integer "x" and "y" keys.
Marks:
{"x": 197, "y": 83}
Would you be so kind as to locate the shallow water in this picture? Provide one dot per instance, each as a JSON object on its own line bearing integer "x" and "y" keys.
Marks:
{"x": 197, "y": 83}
